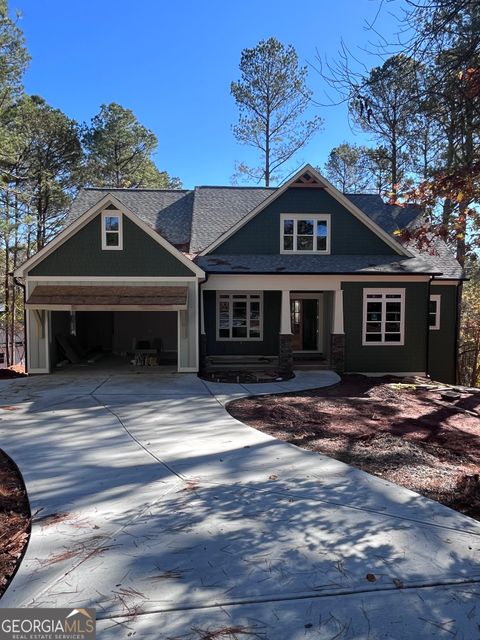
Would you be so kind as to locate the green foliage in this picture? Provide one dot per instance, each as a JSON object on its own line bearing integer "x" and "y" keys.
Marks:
{"x": 119, "y": 151}
{"x": 384, "y": 107}
{"x": 43, "y": 164}
{"x": 469, "y": 349}
{"x": 346, "y": 168}
{"x": 272, "y": 97}
{"x": 14, "y": 57}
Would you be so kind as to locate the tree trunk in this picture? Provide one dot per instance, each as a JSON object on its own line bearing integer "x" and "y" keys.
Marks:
{"x": 7, "y": 302}
{"x": 267, "y": 152}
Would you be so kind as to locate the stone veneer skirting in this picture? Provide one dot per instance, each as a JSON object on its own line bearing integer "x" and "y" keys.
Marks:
{"x": 337, "y": 352}
{"x": 285, "y": 354}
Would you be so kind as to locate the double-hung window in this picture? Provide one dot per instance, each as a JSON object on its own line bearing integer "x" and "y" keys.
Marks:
{"x": 434, "y": 312}
{"x": 304, "y": 233}
{"x": 383, "y": 317}
{"x": 112, "y": 236}
{"x": 239, "y": 316}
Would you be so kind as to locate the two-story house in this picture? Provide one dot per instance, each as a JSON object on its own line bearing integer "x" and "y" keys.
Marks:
{"x": 235, "y": 275}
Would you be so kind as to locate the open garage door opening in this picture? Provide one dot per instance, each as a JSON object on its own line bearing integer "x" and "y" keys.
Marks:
{"x": 114, "y": 339}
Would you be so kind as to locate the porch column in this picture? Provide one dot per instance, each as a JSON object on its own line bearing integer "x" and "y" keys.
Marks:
{"x": 203, "y": 335}
{"x": 337, "y": 338}
{"x": 337, "y": 327}
{"x": 285, "y": 357}
{"x": 38, "y": 341}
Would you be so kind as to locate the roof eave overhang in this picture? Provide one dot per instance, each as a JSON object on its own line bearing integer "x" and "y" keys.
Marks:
{"x": 325, "y": 273}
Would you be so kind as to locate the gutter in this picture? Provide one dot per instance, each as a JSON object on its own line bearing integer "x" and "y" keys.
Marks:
{"x": 427, "y": 343}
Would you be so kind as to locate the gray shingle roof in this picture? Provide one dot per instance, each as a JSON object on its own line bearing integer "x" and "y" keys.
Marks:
{"x": 314, "y": 264}
{"x": 193, "y": 219}
{"x": 217, "y": 209}
{"x": 168, "y": 211}
{"x": 388, "y": 217}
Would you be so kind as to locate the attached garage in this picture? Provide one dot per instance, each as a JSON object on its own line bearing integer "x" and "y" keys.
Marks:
{"x": 146, "y": 338}
{"x": 148, "y": 325}
{"x": 109, "y": 283}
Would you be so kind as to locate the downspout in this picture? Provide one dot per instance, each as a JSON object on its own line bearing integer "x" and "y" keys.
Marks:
{"x": 25, "y": 338}
{"x": 427, "y": 366}
{"x": 201, "y": 323}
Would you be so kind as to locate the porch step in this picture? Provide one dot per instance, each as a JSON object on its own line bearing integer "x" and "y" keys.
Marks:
{"x": 253, "y": 363}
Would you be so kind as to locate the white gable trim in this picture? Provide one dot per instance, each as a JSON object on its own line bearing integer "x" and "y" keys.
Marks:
{"x": 86, "y": 217}
{"x": 329, "y": 188}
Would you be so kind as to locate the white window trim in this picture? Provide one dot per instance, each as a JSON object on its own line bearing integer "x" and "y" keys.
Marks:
{"x": 305, "y": 216}
{"x": 217, "y": 315}
{"x": 435, "y": 298}
{"x": 110, "y": 214}
{"x": 397, "y": 291}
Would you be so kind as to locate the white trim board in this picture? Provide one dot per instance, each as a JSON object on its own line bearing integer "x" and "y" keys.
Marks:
{"x": 109, "y": 213}
{"x": 86, "y": 217}
{"x": 247, "y": 298}
{"x": 300, "y": 282}
{"x": 105, "y": 307}
{"x": 317, "y": 217}
{"x": 331, "y": 190}
{"x": 400, "y": 293}
{"x": 437, "y": 298}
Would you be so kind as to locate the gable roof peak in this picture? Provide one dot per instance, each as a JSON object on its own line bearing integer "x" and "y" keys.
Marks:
{"x": 311, "y": 174}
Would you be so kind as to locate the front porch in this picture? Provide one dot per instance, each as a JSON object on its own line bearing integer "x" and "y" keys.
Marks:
{"x": 270, "y": 329}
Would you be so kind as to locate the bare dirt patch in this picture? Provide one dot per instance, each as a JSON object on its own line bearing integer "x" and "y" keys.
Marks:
{"x": 404, "y": 433}
{"x": 14, "y": 520}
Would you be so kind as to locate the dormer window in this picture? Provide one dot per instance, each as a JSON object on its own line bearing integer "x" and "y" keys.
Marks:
{"x": 112, "y": 237}
{"x": 305, "y": 233}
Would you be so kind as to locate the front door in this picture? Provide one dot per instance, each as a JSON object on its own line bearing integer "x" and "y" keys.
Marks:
{"x": 304, "y": 316}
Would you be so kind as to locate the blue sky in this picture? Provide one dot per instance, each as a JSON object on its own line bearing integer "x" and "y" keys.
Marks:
{"x": 172, "y": 64}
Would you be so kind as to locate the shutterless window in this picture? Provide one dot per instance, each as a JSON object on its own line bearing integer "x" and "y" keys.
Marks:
{"x": 305, "y": 234}
{"x": 434, "y": 312}
{"x": 112, "y": 230}
{"x": 383, "y": 317}
{"x": 239, "y": 316}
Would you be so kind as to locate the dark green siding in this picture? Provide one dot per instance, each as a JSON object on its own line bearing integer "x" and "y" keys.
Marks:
{"x": 271, "y": 328}
{"x": 409, "y": 357}
{"x": 442, "y": 342}
{"x": 82, "y": 255}
{"x": 262, "y": 234}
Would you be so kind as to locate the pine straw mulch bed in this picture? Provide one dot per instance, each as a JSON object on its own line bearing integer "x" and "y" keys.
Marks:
{"x": 402, "y": 432}
{"x": 14, "y": 520}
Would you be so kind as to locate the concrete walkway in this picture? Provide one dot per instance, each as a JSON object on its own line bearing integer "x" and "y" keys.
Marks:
{"x": 174, "y": 520}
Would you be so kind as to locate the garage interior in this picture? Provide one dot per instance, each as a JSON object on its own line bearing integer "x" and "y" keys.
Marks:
{"x": 146, "y": 339}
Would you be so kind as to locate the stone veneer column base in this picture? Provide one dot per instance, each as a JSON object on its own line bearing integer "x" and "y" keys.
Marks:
{"x": 337, "y": 352}
{"x": 203, "y": 353}
{"x": 285, "y": 355}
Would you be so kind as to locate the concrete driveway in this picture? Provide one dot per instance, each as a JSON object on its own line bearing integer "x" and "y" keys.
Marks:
{"x": 176, "y": 521}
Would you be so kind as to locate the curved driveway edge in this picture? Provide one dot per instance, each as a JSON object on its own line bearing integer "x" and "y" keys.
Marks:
{"x": 174, "y": 520}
